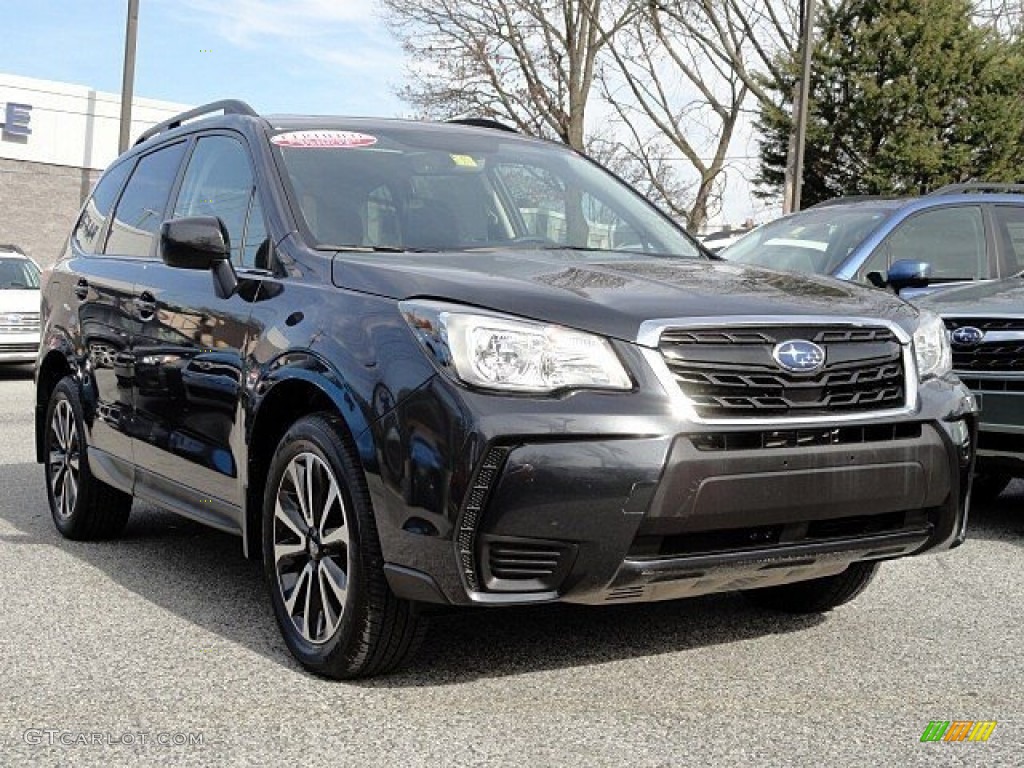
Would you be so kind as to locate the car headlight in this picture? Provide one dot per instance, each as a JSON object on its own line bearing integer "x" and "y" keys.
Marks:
{"x": 513, "y": 355}
{"x": 931, "y": 346}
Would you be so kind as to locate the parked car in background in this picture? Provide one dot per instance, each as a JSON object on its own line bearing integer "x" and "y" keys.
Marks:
{"x": 967, "y": 233}
{"x": 960, "y": 233}
{"x": 986, "y": 327}
{"x": 19, "y": 306}
{"x": 718, "y": 241}
{"x": 415, "y": 363}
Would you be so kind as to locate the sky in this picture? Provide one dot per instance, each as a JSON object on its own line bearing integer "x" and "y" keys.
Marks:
{"x": 305, "y": 56}
{"x": 281, "y": 56}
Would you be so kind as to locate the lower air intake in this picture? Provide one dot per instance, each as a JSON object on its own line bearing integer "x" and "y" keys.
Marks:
{"x": 524, "y": 565}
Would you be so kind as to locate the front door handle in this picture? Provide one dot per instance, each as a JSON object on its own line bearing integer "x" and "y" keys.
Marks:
{"x": 82, "y": 289}
{"x": 145, "y": 306}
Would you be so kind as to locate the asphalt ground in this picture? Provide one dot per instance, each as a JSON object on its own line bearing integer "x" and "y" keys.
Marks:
{"x": 160, "y": 649}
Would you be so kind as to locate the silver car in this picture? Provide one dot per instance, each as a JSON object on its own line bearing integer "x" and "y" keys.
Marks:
{"x": 19, "y": 306}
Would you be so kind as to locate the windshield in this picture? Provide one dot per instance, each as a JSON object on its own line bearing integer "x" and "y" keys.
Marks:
{"x": 18, "y": 274}
{"x": 817, "y": 240}
{"x": 420, "y": 188}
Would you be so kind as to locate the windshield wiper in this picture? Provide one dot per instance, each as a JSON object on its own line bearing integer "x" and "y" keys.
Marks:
{"x": 614, "y": 251}
{"x": 584, "y": 248}
{"x": 373, "y": 249}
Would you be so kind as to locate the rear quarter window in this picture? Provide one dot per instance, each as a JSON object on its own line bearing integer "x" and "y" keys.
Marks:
{"x": 97, "y": 209}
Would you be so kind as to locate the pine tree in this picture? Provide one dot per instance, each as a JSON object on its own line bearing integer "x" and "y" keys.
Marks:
{"x": 906, "y": 95}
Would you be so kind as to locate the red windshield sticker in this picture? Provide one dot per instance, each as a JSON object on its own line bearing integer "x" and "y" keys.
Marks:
{"x": 335, "y": 139}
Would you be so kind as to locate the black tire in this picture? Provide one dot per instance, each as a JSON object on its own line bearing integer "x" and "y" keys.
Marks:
{"x": 362, "y": 629}
{"x": 815, "y": 595}
{"x": 987, "y": 486}
{"x": 82, "y": 506}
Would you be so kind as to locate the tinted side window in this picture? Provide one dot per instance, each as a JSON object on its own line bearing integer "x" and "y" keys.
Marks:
{"x": 1010, "y": 231}
{"x": 256, "y": 245}
{"x": 952, "y": 240}
{"x": 141, "y": 208}
{"x": 96, "y": 211}
{"x": 219, "y": 182}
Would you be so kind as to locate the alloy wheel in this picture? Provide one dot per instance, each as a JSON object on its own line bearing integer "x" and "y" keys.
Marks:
{"x": 65, "y": 454}
{"x": 311, "y": 541}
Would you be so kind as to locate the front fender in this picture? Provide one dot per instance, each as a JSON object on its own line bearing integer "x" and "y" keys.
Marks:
{"x": 298, "y": 372}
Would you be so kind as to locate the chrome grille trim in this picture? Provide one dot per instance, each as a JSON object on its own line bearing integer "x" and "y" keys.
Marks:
{"x": 649, "y": 337}
{"x": 1000, "y": 352}
{"x": 19, "y": 322}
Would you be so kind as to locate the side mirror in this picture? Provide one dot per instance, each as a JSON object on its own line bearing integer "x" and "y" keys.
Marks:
{"x": 907, "y": 273}
{"x": 196, "y": 242}
{"x": 200, "y": 242}
{"x": 877, "y": 279}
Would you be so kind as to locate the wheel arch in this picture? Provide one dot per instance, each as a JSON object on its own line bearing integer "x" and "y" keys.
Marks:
{"x": 51, "y": 369}
{"x": 282, "y": 399}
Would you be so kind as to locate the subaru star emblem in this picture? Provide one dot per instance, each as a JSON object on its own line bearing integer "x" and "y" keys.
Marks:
{"x": 799, "y": 356}
{"x": 968, "y": 336}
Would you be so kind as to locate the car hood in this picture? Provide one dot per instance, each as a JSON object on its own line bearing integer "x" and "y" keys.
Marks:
{"x": 16, "y": 300}
{"x": 610, "y": 294}
{"x": 998, "y": 297}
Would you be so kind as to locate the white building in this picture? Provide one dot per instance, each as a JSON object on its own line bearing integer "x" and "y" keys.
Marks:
{"x": 55, "y": 140}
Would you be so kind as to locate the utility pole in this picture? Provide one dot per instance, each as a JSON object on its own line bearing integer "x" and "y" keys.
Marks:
{"x": 801, "y": 96}
{"x": 128, "y": 80}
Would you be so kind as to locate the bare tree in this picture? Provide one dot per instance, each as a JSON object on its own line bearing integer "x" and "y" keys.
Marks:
{"x": 1005, "y": 16}
{"x": 752, "y": 39}
{"x": 645, "y": 162}
{"x": 668, "y": 89}
{"x": 528, "y": 62}
{"x": 673, "y": 76}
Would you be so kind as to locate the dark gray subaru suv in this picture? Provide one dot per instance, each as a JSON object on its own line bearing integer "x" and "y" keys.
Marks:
{"x": 413, "y": 363}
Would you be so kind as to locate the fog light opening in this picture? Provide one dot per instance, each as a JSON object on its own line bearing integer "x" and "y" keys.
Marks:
{"x": 961, "y": 435}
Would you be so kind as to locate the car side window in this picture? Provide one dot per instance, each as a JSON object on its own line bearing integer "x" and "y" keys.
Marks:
{"x": 951, "y": 239}
{"x": 255, "y": 242}
{"x": 140, "y": 210}
{"x": 94, "y": 215}
{"x": 1010, "y": 233}
{"x": 219, "y": 182}
{"x": 878, "y": 261}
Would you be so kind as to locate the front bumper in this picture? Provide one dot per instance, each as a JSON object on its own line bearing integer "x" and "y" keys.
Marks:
{"x": 622, "y": 514}
{"x": 19, "y": 347}
{"x": 1000, "y": 423}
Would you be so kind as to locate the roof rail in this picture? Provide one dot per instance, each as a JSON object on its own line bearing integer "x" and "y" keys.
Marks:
{"x": 484, "y": 122}
{"x": 852, "y": 199}
{"x": 977, "y": 186}
{"x": 227, "y": 106}
{"x": 11, "y": 247}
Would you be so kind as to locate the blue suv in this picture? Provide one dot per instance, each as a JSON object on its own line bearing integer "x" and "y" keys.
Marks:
{"x": 971, "y": 234}
{"x": 959, "y": 233}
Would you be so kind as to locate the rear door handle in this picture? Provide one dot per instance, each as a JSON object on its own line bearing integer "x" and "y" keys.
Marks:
{"x": 82, "y": 288}
{"x": 145, "y": 306}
